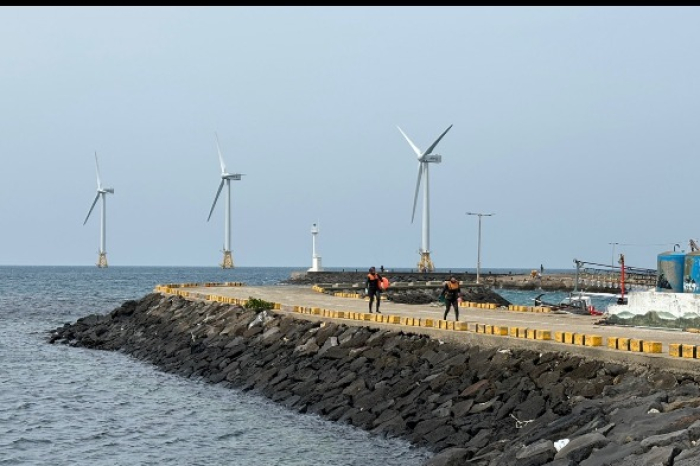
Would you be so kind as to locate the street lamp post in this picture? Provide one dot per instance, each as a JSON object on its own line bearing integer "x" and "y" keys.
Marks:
{"x": 612, "y": 256}
{"x": 478, "y": 250}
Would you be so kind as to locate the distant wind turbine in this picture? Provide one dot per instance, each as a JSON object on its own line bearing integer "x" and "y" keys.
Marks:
{"x": 424, "y": 159}
{"x": 101, "y": 193}
{"x": 226, "y": 178}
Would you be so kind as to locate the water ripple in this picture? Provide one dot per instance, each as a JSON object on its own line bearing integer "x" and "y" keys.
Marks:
{"x": 61, "y": 405}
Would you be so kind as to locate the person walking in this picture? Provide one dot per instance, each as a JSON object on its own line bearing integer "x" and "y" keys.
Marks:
{"x": 451, "y": 293}
{"x": 374, "y": 289}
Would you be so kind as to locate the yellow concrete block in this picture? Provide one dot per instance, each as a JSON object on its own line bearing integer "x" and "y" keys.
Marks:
{"x": 543, "y": 335}
{"x": 488, "y": 329}
{"x": 367, "y": 316}
{"x": 450, "y": 325}
{"x": 569, "y": 337}
{"x": 522, "y": 332}
{"x": 498, "y": 330}
{"x": 559, "y": 336}
{"x": 688, "y": 351}
{"x": 579, "y": 338}
{"x": 461, "y": 326}
{"x": 513, "y": 332}
{"x": 472, "y": 326}
{"x": 636, "y": 345}
{"x": 530, "y": 334}
{"x": 480, "y": 328}
{"x": 316, "y": 311}
{"x": 393, "y": 319}
{"x": 652, "y": 347}
{"x": 675, "y": 349}
{"x": 623, "y": 343}
{"x": 340, "y": 314}
{"x": 612, "y": 342}
{"x": 593, "y": 340}
{"x": 428, "y": 322}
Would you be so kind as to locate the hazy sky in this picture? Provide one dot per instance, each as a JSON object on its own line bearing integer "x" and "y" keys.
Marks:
{"x": 576, "y": 126}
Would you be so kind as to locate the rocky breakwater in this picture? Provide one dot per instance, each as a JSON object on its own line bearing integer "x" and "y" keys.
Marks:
{"x": 405, "y": 288}
{"x": 477, "y": 405}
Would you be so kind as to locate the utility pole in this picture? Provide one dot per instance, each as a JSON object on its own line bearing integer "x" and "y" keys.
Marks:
{"x": 612, "y": 256}
{"x": 478, "y": 250}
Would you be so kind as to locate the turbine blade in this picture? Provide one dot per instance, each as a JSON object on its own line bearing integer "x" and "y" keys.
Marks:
{"x": 221, "y": 158}
{"x": 221, "y": 185}
{"x": 430, "y": 149}
{"x": 415, "y": 197}
{"x": 415, "y": 149}
{"x": 97, "y": 167}
{"x": 91, "y": 207}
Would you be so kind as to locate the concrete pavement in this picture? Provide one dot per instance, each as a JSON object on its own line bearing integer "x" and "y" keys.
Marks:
{"x": 576, "y": 334}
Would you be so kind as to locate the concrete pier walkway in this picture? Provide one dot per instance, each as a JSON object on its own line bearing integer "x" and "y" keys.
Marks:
{"x": 576, "y": 334}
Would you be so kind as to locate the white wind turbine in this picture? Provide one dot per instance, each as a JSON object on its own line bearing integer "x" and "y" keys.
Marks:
{"x": 101, "y": 193}
{"x": 226, "y": 178}
{"x": 424, "y": 159}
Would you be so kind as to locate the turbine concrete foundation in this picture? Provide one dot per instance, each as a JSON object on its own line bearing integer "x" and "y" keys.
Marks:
{"x": 425, "y": 264}
{"x": 102, "y": 260}
{"x": 228, "y": 260}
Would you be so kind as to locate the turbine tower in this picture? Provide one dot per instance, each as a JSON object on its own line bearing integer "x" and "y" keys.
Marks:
{"x": 315, "y": 258}
{"x": 424, "y": 159}
{"x": 101, "y": 193}
{"x": 226, "y": 178}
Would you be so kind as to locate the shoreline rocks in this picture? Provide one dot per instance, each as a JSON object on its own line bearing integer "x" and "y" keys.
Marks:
{"x": 477, "y": 405}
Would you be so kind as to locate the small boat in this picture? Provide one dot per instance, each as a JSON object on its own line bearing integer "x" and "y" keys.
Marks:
{"x": 575, "y": 303}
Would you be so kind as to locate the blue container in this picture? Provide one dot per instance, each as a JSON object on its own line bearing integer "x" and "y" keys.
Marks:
{"x": 670, "y": 271}
{"x": 691, "y": 273}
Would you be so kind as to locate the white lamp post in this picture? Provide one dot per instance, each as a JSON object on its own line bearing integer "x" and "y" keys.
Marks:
{"x": 478, "y": 251}
{"x": 612, "y": 256}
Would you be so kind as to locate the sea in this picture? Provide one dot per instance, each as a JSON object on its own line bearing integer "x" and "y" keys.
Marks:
{"x": 61, "y": 405}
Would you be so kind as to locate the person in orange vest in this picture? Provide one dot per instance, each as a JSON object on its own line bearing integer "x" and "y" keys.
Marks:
{"x": 373, "y": 286}
{"x": 451, "y": 292}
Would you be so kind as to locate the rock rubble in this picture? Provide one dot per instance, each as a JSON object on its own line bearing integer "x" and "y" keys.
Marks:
{"x": 485, "y": 406}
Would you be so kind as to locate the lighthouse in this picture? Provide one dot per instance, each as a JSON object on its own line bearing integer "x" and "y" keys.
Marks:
{"x": 315, "y": 258}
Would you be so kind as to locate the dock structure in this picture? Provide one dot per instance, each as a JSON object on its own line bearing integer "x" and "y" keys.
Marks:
{"x": 513, "y": 326}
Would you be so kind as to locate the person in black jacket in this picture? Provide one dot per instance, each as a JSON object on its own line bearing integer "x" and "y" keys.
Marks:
{"x": 373, "y": 286}
{"x": 451, "y": 292}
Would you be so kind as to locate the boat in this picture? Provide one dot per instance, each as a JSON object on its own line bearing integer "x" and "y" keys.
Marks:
{"x": 575, "y": 303}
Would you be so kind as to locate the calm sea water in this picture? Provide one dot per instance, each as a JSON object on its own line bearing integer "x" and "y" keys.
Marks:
{"x": 70, "y": 406}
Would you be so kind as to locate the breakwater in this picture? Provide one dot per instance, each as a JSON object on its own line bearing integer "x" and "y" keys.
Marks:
{"x": 590, "y": 281}
{"x": 481, "y": 405}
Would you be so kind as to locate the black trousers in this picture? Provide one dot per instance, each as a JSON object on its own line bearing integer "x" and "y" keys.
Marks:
{"x": 372, "y": 295}
{"x": 448, "y": 304}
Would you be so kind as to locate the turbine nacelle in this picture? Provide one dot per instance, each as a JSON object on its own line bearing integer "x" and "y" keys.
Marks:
{"x": 432, "y": 158}
{"x": 107, "y": 190}
{"x": 231, "y": 176}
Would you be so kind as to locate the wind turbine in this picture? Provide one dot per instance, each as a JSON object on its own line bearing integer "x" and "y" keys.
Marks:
{"x": 226, "y": 178}
{"x": 424, "y": 159}
{"x": 101, "y": 193}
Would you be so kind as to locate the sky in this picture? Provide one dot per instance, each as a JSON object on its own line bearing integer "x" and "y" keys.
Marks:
{"x": 575, "y": 126}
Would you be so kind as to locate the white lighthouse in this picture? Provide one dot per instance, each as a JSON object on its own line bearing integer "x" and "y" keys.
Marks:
{"x": 315, "y": 258}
